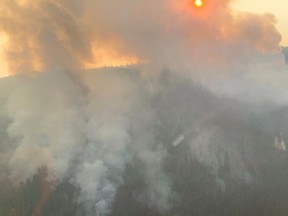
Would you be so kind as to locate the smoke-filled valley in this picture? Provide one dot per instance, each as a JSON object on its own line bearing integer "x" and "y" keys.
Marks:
{"x": 194, "y": 124}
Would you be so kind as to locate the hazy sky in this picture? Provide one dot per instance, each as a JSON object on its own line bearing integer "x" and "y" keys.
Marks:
{"x": 276, "y": 7}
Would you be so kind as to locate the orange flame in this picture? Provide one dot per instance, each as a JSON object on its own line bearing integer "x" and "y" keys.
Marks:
{"x": 46, "y": 191}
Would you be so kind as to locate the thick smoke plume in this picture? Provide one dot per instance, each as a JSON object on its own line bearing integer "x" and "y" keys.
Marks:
{"x": 53, "y": 33}
{"x": 98, "y": 130}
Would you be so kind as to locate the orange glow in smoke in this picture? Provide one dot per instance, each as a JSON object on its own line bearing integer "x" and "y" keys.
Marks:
{"x": 198, "y": 3}
{"x": 110, "y": 57}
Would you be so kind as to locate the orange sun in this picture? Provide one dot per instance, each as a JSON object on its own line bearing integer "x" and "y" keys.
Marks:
{"x": 198, "y": 3}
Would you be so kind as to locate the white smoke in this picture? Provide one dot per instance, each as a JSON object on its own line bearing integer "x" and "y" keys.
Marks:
{"x": 88, "y": 134}
{"x": 87, "y": 127}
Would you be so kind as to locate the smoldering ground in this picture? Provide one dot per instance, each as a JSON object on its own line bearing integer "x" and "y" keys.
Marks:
{"x": 197, "y": 129}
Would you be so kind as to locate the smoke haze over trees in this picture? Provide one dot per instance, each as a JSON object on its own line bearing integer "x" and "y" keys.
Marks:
{"x": 196, "y": 127}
